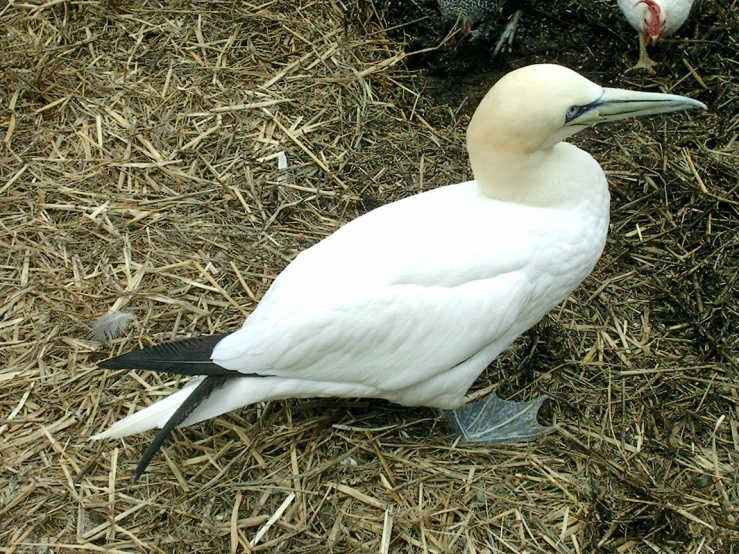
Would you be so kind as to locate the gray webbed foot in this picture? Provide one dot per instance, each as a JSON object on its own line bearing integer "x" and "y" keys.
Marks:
{"x": 492, "y": 420}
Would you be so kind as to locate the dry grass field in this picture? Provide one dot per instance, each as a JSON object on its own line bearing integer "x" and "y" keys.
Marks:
{"x": 138, "y": 171}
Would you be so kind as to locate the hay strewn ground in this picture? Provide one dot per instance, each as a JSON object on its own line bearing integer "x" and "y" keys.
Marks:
{"x": 139, "y": 172}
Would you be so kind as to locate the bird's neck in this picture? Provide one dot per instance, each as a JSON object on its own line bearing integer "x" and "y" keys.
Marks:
{"x": 558, "y": 177}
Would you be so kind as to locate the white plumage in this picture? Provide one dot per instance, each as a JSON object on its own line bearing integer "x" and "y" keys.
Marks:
{"x": 653, "y": 20}
{"x": 413, "y": 314}
{"x": 413, "y": 300}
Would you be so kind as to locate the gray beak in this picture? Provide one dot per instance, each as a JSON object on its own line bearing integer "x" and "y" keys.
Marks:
{"x": 615, "y": 104}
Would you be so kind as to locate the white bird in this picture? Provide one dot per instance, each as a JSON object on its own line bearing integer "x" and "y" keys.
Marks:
{"x": 653, "y": 20}
{"x": 412, "y": 301}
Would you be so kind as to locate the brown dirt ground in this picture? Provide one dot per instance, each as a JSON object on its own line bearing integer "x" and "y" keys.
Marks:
{"x": 139, "y": 172}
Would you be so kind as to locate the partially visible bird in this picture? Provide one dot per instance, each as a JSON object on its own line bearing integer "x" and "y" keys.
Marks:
{"x": 653, "y": 20}
{"x": 468, "y": 13}
{"x": 411, "y": 301}
{"x": 483, "y": 14}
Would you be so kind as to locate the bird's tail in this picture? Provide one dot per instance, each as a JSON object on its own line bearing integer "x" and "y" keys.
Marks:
{"x": 186, "y": 357}
{"x": 151, "y": 417}
{"x": 215, "y": 391}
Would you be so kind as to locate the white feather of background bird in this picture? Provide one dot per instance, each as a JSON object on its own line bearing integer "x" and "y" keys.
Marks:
{"x": 654, "y": 20}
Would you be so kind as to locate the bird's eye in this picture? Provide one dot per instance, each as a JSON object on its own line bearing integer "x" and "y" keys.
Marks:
{"x": 573, "y": 112}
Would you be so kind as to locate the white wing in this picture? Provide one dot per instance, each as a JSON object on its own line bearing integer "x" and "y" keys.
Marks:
{"x": 390, "y": 302}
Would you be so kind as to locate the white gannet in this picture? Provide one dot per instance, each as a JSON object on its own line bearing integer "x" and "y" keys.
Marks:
{"x": 654, "y": 19}
{"x": 411, "y": 301}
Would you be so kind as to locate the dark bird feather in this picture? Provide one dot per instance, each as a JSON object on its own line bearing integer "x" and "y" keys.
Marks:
{"x": 201, "y": 392}
{"x": 184, "y": 357}
{"x": 191, "y": 356}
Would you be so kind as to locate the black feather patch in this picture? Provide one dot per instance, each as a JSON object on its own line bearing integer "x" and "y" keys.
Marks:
{"x": 201, "y": 392}
{"x": 183, "y": 357}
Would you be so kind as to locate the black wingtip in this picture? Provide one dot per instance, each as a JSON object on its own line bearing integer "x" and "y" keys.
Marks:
{"x": 184, "y": 357}
{"x": 201, "y": 392}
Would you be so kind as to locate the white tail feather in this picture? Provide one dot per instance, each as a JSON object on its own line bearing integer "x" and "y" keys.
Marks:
{"x": 250, "y": 390}
{"x": 153, "y": 416}
{"x": 232, "y": 395}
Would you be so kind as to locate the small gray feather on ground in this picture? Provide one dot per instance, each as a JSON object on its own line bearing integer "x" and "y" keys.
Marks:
{"x": 110, "y": 326}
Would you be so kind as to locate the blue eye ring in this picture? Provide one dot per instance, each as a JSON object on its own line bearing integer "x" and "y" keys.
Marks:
{"x": 572, "y": 112}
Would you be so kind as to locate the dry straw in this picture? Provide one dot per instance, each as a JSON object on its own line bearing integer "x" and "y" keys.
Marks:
{"x": 139, "y": 172}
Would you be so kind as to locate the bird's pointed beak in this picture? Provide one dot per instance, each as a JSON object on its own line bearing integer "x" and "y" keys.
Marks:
{"x": 615, "y": 104}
